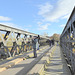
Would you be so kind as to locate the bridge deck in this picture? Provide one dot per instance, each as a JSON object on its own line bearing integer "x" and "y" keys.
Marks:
{"x": 58, "y": 65}
{"x": 23, "y": 67}
{"x": 18, "y": 56}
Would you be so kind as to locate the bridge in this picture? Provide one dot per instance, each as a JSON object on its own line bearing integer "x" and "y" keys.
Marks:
{"x": 16, "y": 52}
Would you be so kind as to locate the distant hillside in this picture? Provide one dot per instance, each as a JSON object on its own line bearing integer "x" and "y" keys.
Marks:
{"x": 55, "y": 36}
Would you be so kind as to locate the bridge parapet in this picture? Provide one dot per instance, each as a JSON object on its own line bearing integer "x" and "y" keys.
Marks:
{"x": 67, "y": 40}
{"x": 14, "y": 41}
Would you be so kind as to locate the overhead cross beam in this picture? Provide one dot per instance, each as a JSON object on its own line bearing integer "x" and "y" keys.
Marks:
{"x": 9, "y": 29}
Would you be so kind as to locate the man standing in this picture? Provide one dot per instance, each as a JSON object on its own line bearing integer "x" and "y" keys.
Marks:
{"x": 35, "y": 45}
{"x": 38, "y": 38}
{"x": 50, "y": 43}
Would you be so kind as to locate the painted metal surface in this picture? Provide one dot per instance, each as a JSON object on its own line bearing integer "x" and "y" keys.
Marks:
{"x": 67, "y": 40}
{"x": 15, "y": 41}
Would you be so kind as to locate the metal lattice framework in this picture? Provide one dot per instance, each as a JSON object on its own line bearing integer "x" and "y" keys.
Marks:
{"x": 67, "y": 40}
{"x": 15, "y": 41}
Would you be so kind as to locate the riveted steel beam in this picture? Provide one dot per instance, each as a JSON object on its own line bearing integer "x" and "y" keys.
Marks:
{"x": 9, "y": 29}
{"x": 67, "y": 40}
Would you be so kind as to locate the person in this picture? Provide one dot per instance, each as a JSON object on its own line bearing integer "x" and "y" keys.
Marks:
{"x": 35, "y": 45}
{"x": 50, "y": 43}
{"x": 38, "y": 38}
{"x": 57, "y": 43}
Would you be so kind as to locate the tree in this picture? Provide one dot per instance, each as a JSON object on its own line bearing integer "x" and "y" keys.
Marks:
{"x": 56, "y": 37}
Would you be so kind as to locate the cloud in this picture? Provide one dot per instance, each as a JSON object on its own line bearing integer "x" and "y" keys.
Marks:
{"x": 11, "y": 25}
{"x": 2, "y": 18}
{"x": 39, "y": 23}
{"x": 45, "y": 8}
{"x": 27, "y": 26}
{"x": 66, "y": 16}
{"x": 43, "y": 27}
{"x": 26, "y": 30}
{"x": 63, "y": 25}
{"x": 61, "y": 10}
{"x": 14, "y": 26}
{"x": 8, "y": 24}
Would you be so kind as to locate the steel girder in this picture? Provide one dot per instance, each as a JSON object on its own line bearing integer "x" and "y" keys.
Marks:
{"x": 15, "y": 41}
{"x": 67, "y": 40}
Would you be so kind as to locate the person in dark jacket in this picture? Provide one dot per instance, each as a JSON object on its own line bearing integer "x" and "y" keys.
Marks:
{"x": 38, "y": 42}
{"x": 50, "y": 42}
{"x": 35, "y": 45}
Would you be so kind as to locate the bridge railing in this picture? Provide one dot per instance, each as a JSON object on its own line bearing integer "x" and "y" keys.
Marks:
{"x": 14, "y": 41}
{"x": 67, "y": 40}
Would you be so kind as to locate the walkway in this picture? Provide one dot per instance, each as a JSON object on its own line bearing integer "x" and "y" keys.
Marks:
{"x": 24, "y": 66}
{"x": 58, "y": 65}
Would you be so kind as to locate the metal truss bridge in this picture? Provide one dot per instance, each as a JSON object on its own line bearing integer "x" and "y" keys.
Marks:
{"x": 16, "y": 52}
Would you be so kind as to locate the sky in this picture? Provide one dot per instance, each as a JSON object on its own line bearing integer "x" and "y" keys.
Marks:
{"x": 36, "y": 16}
